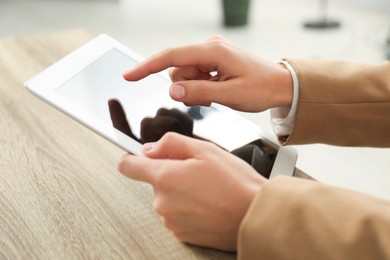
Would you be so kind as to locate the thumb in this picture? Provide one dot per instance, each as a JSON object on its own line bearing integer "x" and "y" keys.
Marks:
{"x": 201, "y": 92}
{"x": 173, "y": 146}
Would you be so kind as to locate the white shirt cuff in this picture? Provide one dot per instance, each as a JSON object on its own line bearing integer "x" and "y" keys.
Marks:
{"x": 283, "y": 118}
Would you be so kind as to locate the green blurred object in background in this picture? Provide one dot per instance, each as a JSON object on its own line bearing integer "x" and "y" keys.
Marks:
{"x": 235, "y": 12}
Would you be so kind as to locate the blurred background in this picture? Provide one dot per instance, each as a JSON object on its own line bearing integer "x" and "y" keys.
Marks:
{"x": 274, "y": 29}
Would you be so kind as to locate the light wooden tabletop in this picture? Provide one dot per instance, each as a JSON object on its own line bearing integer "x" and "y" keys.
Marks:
{"x": 61, "y": 196}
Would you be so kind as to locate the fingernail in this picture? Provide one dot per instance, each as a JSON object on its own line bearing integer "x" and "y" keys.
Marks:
{"x": 125, "y": 74}
{"x": 177, "y": 91}
{"x": 148, "y": 147}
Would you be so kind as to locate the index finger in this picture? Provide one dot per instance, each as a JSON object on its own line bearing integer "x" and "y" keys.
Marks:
{"x": 146, "y": 169}
{"x": 182, "y": 56}
{"x": 137, "y": 168}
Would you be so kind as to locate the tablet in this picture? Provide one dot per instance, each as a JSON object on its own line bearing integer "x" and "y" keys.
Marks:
{"x": 82, "y": 83}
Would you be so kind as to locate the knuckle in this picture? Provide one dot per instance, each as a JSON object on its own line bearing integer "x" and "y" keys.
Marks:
{"x": 181, "y": 236}
{"x": 219, "y": 46}
{"x": 167, "y": 223}
{"x": 164, "y": 209}
{"x": 159, "y": 207}
{"x": 164, "y": 179}
{"x": 161, "y": 182}
{"x": 217, "y": 37}
{"x": 211, "y": 147}
{"x": 168, "y": 138}
{"x": 167, "y": 52}
{"x": 175, "y": 74}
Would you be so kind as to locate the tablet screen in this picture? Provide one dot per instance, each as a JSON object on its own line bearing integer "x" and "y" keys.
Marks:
{"x": 102, "y": 80}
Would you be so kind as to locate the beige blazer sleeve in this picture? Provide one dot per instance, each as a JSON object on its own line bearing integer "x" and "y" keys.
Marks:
{"x": 340, "y": 103}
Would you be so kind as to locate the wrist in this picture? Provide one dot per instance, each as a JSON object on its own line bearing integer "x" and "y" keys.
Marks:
{"x": 284, "y": 86}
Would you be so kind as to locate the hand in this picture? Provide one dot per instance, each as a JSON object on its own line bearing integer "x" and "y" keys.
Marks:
{"x": 201, "y": 191}
{"x": 242, "y": 81}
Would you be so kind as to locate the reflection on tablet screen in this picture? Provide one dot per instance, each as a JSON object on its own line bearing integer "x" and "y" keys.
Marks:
{"x": 102, "y": 80}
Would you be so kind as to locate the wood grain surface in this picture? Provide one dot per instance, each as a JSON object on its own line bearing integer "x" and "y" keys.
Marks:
{"x": 61, "y": 196}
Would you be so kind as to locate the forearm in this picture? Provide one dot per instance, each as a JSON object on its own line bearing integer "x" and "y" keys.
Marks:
{"x": 292, "y": 218}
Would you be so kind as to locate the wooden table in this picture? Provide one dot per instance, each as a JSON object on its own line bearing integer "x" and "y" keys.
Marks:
{"x": 61, "y": 196}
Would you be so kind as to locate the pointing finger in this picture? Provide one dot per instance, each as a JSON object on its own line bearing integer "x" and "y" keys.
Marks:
{"x": 190, "y": 55}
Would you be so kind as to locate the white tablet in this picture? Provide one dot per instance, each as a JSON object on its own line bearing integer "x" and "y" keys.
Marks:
{"x": 82, "y": 83}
